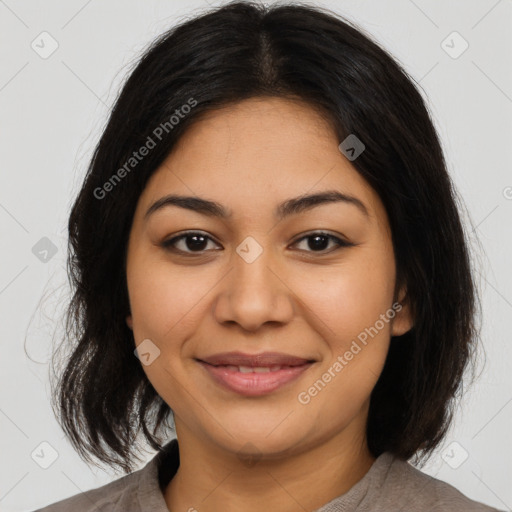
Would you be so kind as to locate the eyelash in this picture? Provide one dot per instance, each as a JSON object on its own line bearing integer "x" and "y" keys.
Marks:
{"x": 169, "y": 244}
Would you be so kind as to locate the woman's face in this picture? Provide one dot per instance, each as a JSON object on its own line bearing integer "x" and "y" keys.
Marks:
{"x": 267, "y": 279}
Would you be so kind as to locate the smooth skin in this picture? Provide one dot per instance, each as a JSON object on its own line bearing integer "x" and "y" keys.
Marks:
{"x": 269, "y": 452}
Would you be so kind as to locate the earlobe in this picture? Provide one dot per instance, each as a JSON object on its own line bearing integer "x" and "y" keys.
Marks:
{"x": 129, "y": 322}
{"x": 403, "y": 321}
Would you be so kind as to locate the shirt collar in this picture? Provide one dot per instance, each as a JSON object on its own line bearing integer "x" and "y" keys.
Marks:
{"x": 159, "y": 471}
{"x": 154, "y": 477}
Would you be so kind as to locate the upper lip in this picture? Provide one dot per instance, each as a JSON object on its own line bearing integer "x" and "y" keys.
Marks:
{"x": 263, "y": 359}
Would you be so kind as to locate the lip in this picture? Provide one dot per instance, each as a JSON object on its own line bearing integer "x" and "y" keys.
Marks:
{"x": 220, "y": 369}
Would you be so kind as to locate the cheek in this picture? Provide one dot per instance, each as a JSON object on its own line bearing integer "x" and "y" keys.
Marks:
{"x": 166, "y": 304}
{"x": 350, "y": 297}
{"x": 166, "y": 299}
{"x": 349, "y": 303}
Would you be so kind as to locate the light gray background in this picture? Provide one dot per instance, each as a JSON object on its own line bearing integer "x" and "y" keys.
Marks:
{"x": 52, "y": 111}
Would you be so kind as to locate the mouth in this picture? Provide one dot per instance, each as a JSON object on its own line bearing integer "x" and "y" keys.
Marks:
{"x": 254, "y": 375}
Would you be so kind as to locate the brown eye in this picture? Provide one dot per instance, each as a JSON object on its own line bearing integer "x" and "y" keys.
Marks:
{"x": 319, "y": 242}
{"x": 191, "y": 242}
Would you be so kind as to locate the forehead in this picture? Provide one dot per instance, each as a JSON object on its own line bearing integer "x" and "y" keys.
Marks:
{"x": 263, "y": 126}
{"x": 255, "y": 153}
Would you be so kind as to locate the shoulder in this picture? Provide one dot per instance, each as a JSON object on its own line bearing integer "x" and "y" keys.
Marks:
{"x": 408, "y": 487}
{"x": 138, "y": 491}
{"x": 120, "y": 491}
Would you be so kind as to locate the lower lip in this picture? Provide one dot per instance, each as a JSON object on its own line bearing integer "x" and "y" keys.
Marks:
{"x": 254, "y": 384}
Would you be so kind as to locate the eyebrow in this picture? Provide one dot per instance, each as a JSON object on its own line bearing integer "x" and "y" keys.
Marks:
{"x": 289, "y": 207}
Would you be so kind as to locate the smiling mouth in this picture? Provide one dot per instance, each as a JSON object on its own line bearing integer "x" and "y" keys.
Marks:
{"x": 254, "y": 375}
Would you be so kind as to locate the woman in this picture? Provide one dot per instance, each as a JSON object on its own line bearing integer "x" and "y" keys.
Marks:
{"x": 267, "y": 250}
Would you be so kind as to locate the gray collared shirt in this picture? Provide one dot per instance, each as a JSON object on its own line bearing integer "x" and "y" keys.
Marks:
{"x": 390, "y": 485}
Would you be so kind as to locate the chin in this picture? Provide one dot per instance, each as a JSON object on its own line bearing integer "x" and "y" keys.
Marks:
{"x": 269, "y": 439}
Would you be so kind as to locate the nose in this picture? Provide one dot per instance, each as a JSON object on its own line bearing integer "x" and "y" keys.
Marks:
{"x": 254, "y": 293}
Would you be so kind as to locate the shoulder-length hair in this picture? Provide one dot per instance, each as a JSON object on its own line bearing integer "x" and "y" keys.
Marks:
{"x": 103, "y": 398}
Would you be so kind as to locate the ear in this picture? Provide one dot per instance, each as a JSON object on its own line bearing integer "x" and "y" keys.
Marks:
{"x": 129, "y": 322}
{"x": 403, "y": 321}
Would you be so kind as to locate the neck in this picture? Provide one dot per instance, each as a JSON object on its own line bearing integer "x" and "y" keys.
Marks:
{"x": 210, "y": 479}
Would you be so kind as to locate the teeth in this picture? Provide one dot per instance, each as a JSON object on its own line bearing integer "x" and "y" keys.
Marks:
{"x": 253, "y": 369}
{"x": 259, "y": 369}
